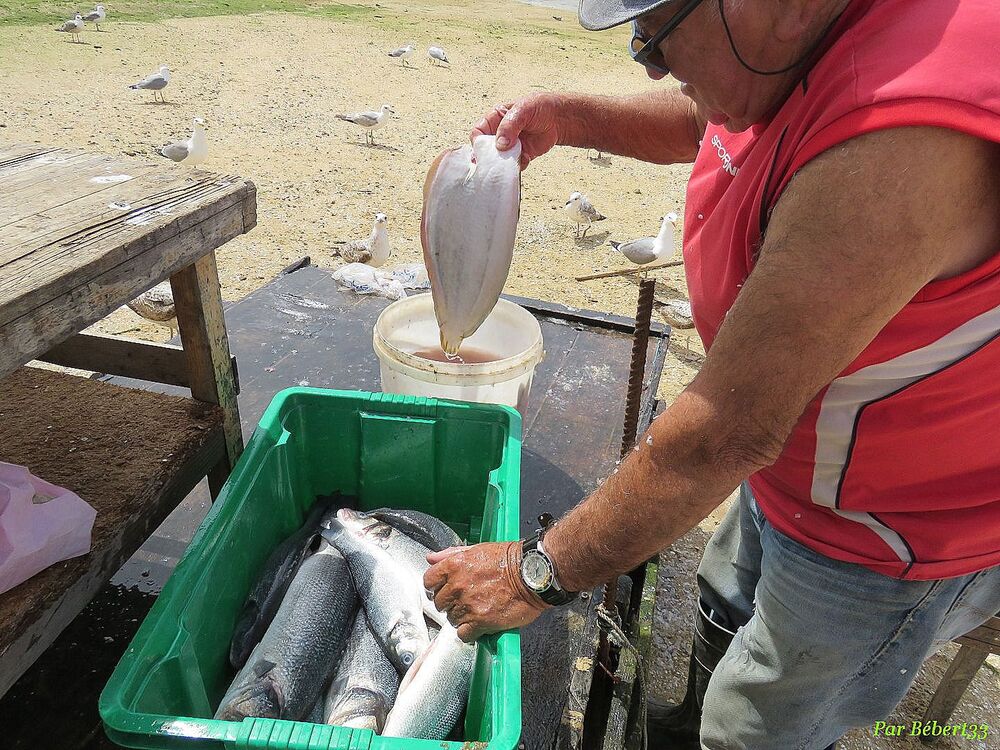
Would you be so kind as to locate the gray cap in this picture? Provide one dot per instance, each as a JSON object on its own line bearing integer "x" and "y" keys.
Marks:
{"x": 598, "y": 15}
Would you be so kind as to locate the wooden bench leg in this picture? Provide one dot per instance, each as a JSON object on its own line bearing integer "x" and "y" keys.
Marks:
{"x": 953, "y": 685}
{"x": 198, "y": 302}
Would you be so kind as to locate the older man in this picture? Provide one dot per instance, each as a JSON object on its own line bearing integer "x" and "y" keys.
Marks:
{"x": 842, "y": 230}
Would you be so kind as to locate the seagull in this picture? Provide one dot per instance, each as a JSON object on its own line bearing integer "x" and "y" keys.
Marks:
{"x": 154, "y": 81}
{"x": 96, "y": 16}
{"x": 370, "y": 121}
{"x": 157, "y": 305}
{"x": 192, "y": 151}
{"x": 374, "y": 250}
{"x": 403, "y": 53}
{"x": 73, "y": 26}
{"x": 650, "y": 249}
{"x": 581, "y": 211}
{"x": 436, "y": 53}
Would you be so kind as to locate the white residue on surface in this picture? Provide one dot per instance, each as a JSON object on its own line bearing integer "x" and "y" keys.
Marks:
{"x": 110, "y": 179}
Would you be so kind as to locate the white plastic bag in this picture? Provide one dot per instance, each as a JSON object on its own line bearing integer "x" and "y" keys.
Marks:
{"x": 411, "y": 276}
{"x": 40, "y": 524}
{"x": 364, "y": 279}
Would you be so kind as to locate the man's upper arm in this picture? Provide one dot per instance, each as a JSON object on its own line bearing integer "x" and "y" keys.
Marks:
{"x": 857, "y": 232}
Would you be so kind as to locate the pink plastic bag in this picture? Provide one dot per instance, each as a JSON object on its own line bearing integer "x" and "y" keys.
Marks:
{"x": 40, "y": 524}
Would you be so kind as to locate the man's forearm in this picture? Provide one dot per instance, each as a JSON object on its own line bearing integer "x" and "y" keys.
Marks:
{"x": 661, "y": 127}
{"x": 674, "y": 479}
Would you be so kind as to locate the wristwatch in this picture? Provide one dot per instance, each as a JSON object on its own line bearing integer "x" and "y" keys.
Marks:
{"x": 538, "y": 571}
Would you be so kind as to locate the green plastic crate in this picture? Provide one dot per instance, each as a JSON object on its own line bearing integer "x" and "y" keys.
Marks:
{"x": 457, "y": 461}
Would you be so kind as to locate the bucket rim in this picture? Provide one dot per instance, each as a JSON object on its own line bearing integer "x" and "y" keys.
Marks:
{"x": 456, "y": 373}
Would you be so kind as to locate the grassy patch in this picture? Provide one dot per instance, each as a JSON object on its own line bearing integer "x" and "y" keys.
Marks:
{"x": 16, "y": 13}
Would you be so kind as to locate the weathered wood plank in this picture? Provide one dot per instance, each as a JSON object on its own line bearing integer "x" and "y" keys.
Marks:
{"x": 36, "y": 187}
{"x": 117, "y": 355}
{"x": 100, "y": 447}
{"x": 143, "y": 263}
{"x": 98, "y": 243}
{"x": 92, "y": 205}
{"x": 202, "y": 324}
{"x": 985, "y": 636}
{"x": 953, "y": 685}
{"x": 14, "y": 156}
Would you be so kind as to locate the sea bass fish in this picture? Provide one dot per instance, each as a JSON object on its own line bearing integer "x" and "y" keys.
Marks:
{"x": 391, "y": 590}
{"x": 434, "y": 692}
{"x": 289, "y": 668}
{"x": 472, "y": 201}
{"x": 365, "y": 685}
{"x": 271, "y": 585}
{"x": 425, "y": 529}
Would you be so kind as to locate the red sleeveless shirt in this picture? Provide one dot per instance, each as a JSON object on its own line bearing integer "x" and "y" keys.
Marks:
{"x": 895, "y": 465}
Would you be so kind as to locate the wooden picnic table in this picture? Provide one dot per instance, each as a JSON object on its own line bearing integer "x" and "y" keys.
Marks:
{"x": 80, "y": 235}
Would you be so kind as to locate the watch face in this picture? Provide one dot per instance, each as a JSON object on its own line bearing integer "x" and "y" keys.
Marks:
{"x": 536, "y": 571}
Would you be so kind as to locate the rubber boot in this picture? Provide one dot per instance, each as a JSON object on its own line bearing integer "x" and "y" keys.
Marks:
{"x": 673, "y": 726}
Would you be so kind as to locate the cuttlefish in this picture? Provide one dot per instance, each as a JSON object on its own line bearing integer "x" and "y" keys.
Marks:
{"x": 472, "y": 200}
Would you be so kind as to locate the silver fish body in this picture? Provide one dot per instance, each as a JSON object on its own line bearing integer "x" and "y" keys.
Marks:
{"x": 288, "y": 669}
{"x": 391, "y": 592}
{"x": 272, "y": 583}
{"x": 365, "y": 685}
{"x": 423, "y": 528}
{"x": 472, "y": 198}
{"x": 434, "y": 692}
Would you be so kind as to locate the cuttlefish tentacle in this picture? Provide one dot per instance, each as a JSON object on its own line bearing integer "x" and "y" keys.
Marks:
{"x": 472, "y": 198}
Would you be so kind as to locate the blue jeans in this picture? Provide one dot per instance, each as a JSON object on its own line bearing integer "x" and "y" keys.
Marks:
{"x": 821, "y": 646}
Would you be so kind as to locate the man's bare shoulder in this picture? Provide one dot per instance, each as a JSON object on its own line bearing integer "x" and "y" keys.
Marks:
{"x": 897, "y": 191}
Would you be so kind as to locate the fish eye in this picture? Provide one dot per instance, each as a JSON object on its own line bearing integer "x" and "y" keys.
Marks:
{"x": 406, "y": 659}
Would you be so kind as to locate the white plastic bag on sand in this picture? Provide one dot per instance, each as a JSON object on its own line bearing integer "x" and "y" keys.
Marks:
{"x": 40, "y": 524}
{"x": 364, "y": 279}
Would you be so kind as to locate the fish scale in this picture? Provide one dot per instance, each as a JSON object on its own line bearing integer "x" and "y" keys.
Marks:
{"x": 287, "y": 670}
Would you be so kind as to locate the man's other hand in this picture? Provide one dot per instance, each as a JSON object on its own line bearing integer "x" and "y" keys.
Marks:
{"x": 479, "y": 588}
{"x": 534, "y": 120}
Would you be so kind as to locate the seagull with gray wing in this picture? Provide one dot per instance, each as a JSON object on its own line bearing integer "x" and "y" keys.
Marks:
{"x": 96, "y": 16}
{"x": 649, "y": 250}
{"x": 157, "y": 305}
{"x": 374, "y": 249}
{"x": 582, "y": 211}
{"x": 154, "y": 82}
{"x": 437, "y": 55}
{"x": 403, "y": 53}
{"x": 370, "y": 121}
{"x": 74, "y": 27}
{"x": 191, "y": 151}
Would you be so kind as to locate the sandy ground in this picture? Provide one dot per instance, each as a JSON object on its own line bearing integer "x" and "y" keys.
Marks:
{"x": 269, "y": 86}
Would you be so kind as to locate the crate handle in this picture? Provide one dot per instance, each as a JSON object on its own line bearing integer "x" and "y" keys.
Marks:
{"x": 279, "y": 734}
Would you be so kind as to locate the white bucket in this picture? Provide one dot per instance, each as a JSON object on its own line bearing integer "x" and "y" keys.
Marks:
{"x": 510, "y": 333}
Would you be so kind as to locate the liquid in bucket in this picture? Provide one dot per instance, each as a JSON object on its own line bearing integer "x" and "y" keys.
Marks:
{"x": 466, "y": 356}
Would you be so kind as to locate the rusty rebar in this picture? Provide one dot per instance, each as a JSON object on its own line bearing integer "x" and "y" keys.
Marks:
{"x": 633, "y": 401}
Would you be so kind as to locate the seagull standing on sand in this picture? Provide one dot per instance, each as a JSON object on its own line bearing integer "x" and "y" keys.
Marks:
{"x": 370, "y": 121}
{"x": 154, "y": 82}
{"x": 157, "y": 305}
{"x": 437, "y": 54}
{"x": 651, "y": 249}
{"x": 96, "y": 16}
{"x": 582, "y": 211}
{"x": 374, "y": 250}
{"x": 403, "y": 53}
{"x": 192, "y": 151}
{"x": 74, "y": 26}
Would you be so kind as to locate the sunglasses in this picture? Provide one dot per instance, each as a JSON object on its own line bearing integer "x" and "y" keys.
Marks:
{"x": 647, "y": 51}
